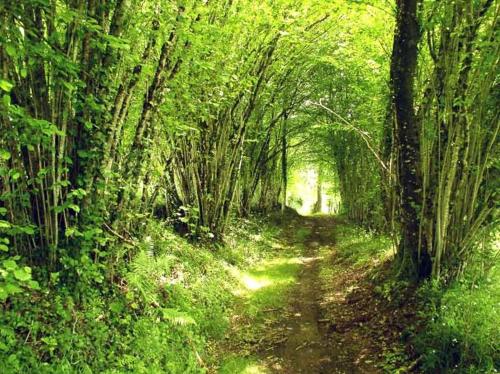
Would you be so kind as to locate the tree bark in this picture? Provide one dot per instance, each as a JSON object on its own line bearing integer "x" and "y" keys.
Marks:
{"x": 413, "y": 258}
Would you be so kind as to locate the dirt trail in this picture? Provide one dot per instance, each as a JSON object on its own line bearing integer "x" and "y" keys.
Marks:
{"x": 310, "y": 345}
{"x": 333, "y": 318}
{"x": 307, "y": 350}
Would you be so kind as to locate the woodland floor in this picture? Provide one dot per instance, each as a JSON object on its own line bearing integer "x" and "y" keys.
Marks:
{"x": 315, "y": 309}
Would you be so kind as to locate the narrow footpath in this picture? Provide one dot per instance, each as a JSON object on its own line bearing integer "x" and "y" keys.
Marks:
{"x": 309, "y": 347}
{"x": 333, "y": 321}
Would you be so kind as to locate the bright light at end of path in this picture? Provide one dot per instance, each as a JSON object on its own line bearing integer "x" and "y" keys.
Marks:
{"x": 303, "y": 192}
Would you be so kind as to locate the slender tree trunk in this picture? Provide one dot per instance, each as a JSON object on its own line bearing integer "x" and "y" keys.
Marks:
{"x": 284, "y": 166}
{"x": 319, "y": 193}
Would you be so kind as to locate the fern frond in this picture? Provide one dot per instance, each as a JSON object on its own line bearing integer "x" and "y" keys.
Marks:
{"x": 177, "y": 317}
{"x": 146, "y": 273}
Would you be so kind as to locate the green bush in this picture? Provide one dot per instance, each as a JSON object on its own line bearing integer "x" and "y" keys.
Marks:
{"x": 463, "y": 327}
{"x": 156, "y": 313}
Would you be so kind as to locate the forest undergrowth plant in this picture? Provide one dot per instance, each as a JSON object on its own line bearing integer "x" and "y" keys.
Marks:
{"x": 461, "y": 324}
{"x": 159, "y": 313}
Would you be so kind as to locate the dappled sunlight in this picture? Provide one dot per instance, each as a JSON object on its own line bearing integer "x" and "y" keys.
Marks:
{"x": 184, "y": 183}
{"x": 254, "y": 369}
{"x": 277, "y": 245}
{"x": 239, "y": 365}
{"x": 256, "y": 237}
{"x": 361, "y": 247}
{"x": 252, "y": 283}
{"x": 307, "y": 260}
{"x": 279, "y": 261}
{"x": 264, "y": 283}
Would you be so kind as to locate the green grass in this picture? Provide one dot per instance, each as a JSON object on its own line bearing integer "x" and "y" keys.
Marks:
{"x": 161, "y": 313}
{"x": 463, "y": 326}
{"x": 360, "y": 247}
{"x": 262, "y": 288}
{"x": 265, "y": 285}
{"x": 243, "y": 365}
{"x": 460, "y": 322}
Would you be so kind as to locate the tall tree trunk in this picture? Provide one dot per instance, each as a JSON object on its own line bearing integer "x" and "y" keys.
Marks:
{"x": 284, "y": 166}
{"x": 412, "y": 253}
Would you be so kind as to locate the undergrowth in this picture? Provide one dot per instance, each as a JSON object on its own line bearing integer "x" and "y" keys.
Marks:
{"x": 462, "y": 319}
{"x": 164, "y": 308}
{"x": 361, "y": 247}
{"x": 463, "y": 326}
{"x": 262, "y": 294}
{"x": 159, "y": 313}
{"x": 457, "y": 325}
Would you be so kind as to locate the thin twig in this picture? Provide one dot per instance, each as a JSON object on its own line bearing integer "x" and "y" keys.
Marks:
{"x": 364, "y": 135}
{"x": 119, "y": 235}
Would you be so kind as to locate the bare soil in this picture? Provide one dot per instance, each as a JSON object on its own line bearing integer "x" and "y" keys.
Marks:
{"x": 332, "y": 324}
{"x": 337, "y": 325}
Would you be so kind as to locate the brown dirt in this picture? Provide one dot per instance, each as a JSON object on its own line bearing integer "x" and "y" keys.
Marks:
{"x": 341, "y": 327}
{"x": 306, "y": 349}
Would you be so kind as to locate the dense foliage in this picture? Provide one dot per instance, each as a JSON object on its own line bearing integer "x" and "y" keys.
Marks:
{"x": 131, "y": 127}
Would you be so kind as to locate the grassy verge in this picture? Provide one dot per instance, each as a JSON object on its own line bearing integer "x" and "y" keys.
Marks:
{"x": 359, "y": 298}
{"x": 452, "y": 329}
{"x": 262, "y": 293}
{"x": 462, "y": 327}
{"x": 161, "y": 313}
{"x": 359, "y": 247}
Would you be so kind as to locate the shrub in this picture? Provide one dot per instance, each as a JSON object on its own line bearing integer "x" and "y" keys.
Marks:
{"x": 463, "y": 327}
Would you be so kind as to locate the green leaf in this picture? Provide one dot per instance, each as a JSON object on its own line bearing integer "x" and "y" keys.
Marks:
{"x": 28, "y": 230}
{"x": 10, "y": 265}
{"x": 74, "y": 207}
{"x": 3, "y": 211}
{"x": 177, "y": 317}
{"x": 34, "y": 285}
{"x": 116, "y": 307}
{"x": 69, "y": 86}
{"x": 15, "y": 175}
{"x": 70, "y": 231}
{"x": 3, "y": 293}
{"x": 22, "y": 275}
{"x": 50, "y": 341}
{"x": 5, "y": 85}
{"x": 79, "y": 193}
{"x": 4, "y": 224}
{"x": 11, "y": 50}
{"x": 4, "y": 248}
{"x": 12, "y": 288}
{"x": 4, "y": 155}
{"x": 6, "y": 100}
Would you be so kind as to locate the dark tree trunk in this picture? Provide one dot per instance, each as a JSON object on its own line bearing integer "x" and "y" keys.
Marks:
{"x": 284, "y": 166}
{"x": 412, "y": 253}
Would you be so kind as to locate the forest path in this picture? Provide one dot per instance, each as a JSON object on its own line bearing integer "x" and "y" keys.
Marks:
{"x": 313, "y": 345}
{"x": 307, "y": 349}
{"x": 321, "y": 328}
